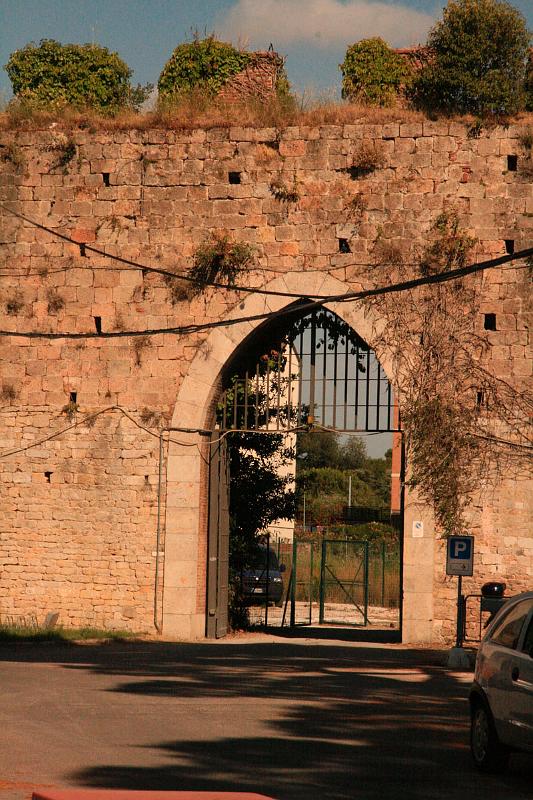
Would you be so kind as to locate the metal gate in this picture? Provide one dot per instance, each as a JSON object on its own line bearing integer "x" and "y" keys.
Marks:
{"x": 307, "y": 371}
{"x": 218, "y": 539}
{"x": 338, "y": 582}
{"x": 344, "y": 582}
{"x": 298, "y": 373}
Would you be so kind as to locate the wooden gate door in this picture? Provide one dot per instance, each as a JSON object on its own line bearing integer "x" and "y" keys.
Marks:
{"x": 218, "y": 539}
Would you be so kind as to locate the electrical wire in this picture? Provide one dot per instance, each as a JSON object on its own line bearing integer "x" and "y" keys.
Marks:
{"x": 83, "y": 421}
{"x": 441, "y": 277}
{"x": 84, "y": 248}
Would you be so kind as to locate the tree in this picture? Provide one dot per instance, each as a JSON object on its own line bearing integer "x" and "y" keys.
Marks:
{"x": 318, "y": 449}
{"x": 478, "y": 59}
{"x": 259, "y": 492}
{"x": 52, "y": 75}
{"x": 373, "y": 73}
{"x": 353, "y": 453}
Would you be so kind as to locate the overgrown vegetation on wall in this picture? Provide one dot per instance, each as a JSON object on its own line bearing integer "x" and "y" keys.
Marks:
{"x": 203, "y": 63}
{"x": 373, "y": 73}
{"x": 219, "y": 259}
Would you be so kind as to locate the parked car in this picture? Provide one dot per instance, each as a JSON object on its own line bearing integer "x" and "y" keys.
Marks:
{"x": 501, "y": 697}
{"x": 263, "y": 581}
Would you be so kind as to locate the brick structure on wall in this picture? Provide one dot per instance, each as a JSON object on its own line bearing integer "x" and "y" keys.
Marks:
{"x": 82, "y": 510}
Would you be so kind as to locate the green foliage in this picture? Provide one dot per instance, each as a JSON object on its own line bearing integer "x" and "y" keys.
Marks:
{"x": 325, "y": 465}
{"x": 372, "y": 73}
{"x": 324, "y": 449}
{"x": 204, "y": 63}
{"x": 219, "y": 259}
{"x": 259, "y": 491}
{"x": 34, "y": 633}
{"x": 259, "y": 494}
{"x": 479, "y": 50}
{"x": 326, "y": 490}
{"x": 52, "y": 75}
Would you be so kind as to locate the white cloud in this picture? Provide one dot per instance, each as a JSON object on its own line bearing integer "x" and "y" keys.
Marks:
{"x": 321, "y": 23}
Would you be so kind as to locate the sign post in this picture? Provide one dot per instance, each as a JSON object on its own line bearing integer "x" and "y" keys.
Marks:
{"x": 460, "y": 561}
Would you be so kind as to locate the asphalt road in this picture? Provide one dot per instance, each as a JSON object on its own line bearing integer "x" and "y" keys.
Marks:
{"x": 291, "y": 718}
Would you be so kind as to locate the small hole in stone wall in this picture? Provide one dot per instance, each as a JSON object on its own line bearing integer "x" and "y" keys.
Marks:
{"x": 490, "y": 322}
{"x": 344, "y": 246}
{"x": 512, "y": 163}
{"x": 509, "y": 246}
{"x": 105, "y": 176}
{"x": 48, "y": 475}
{"x": 146, "y": 479}
{"x": 480, "y": 398}
{"x": 98, "y": 324}
{"x": 234, "y": 177}
{"x": 73, "y": 397}
{"x": 83, "y": 254}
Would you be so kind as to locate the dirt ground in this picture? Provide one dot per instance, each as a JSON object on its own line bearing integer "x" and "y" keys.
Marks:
{"x": 378, "y": 617}
{"x": 292, "y": 718}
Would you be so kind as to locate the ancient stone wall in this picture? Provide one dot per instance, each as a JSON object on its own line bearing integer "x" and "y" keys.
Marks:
{"x": 78, "y": 530}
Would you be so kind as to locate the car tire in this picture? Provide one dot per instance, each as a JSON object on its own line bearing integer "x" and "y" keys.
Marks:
{"x": 279, "y": 603}
{"x": 488, "y": 753}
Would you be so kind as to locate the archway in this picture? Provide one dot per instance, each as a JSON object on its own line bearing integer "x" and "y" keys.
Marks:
{"x": 184, "y": 597}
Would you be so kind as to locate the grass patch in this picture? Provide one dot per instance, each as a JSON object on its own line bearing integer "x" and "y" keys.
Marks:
{"x": 199, "y": 110}
{"x": 30, "y": 633}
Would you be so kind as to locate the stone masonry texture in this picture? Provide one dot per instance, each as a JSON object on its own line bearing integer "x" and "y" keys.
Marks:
{"x": 79, "y": 511}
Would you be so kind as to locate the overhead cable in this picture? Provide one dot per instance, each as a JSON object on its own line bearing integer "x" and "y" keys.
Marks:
{"x": 312, "y": 305}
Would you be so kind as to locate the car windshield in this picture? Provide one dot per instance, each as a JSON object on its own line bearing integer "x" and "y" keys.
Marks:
{"x": 259, "y": 559}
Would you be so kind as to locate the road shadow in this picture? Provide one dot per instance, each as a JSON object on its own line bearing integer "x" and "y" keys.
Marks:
{"x": 343, "y": 720}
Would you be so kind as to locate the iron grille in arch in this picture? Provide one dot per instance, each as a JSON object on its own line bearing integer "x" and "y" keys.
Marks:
{"x": 314, "y": 371}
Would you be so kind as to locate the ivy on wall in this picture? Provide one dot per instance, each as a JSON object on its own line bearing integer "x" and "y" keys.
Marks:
{"x": 456, "y": 414}
{"x": 203, "y": 63}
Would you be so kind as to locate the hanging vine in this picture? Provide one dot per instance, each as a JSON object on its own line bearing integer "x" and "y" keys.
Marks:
{"x": 457, "y": 416}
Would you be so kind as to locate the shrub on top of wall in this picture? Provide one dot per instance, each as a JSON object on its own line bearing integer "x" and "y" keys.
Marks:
{"x": 52, "y": 75}
{"x": 479, "y": 52}
{"x": 203, "y": 63}
{"x": 373, "y": 73}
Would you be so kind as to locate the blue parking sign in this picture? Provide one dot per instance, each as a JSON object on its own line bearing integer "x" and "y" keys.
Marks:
{"x": 460, "y": 555}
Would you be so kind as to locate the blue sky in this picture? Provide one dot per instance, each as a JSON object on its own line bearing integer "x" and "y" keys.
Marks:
{"x": 313, "y": 34}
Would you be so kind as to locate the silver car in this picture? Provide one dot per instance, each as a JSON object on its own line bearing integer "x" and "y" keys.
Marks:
{"x": 501, "y": 697}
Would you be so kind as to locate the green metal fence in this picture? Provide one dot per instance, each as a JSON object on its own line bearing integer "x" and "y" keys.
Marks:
{"x": 336, "y": 581}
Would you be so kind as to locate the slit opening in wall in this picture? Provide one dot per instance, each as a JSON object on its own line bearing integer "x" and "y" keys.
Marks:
{"x": 73, "y": 397}
{"x": 490, "y": 322}
{"x": 105, "y": 176}
{"x": 98, "y": 324}
{"x": 234, "y": 177}
{"x": 512, "y": 163}
{"x": 509, "y": 246}
{"x": 344, "y": 246}
{"x": 48, "y": 476}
